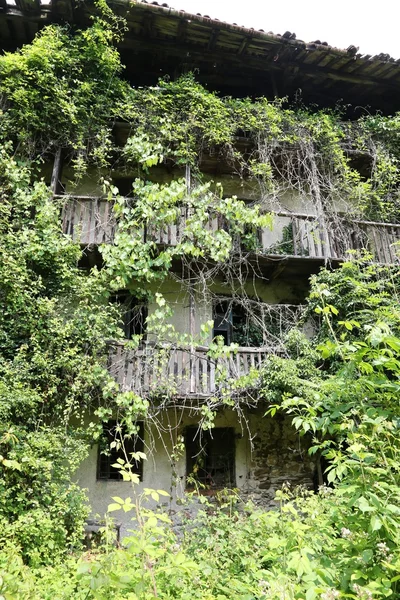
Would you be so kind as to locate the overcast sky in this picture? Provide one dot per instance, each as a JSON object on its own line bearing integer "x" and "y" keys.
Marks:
{"x": 374, "y": 26}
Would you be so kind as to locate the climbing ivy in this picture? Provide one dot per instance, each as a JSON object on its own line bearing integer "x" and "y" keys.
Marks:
{"x": 66, "y": 90}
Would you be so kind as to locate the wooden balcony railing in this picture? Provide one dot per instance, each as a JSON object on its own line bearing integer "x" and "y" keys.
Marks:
{"x": 88, "y": 220}
{"x": 382, "y": 239}
{"x": 91, "y": 221}
{"x": 177, "y": 371}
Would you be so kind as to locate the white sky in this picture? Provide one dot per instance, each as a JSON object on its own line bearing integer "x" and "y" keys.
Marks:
{"x": 372, "y": 25}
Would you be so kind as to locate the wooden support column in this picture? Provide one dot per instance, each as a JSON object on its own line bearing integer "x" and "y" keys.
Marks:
{"x": 192, "y": 331}
{"x": 323, "y": 229}
{"x": 192, "y": 307}
{"x": 188, "y": 178}
{"x": 55, "y": 182}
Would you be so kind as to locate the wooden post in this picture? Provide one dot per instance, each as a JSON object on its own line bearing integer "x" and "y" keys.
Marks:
{"x": 315, "y": 191}
{"x": 192, "y": 317}
{"x": 56, "y": 173}
{"x": 188, "y": 178}
{"x": 192, "y": 331}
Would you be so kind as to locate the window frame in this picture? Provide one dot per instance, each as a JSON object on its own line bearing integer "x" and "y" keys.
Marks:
{"x": 205, "y": 444}
{"x": 135, "y": 443}
{"x": 134, "y": 313}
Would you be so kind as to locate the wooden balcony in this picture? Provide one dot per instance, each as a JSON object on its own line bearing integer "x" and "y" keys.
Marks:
{"x": 90, "y": 221}
{"x": 179, "y": 372}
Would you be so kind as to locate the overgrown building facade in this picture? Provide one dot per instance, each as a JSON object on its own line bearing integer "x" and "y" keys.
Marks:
{"x": 235, "y": 273}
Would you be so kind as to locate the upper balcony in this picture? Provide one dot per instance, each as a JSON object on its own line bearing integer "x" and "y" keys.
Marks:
{"x": 90, "y": 221}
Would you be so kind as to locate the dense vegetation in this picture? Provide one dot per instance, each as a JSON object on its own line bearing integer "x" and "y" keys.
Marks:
{"x": 65, "y": 89}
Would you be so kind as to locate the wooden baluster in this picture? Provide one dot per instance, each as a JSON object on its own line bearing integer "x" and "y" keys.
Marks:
{"x": 231, "y": 366}
{"x": 392, "y": 237}
{"x": 238, "y": 364}
{"x": 92, "y": 204}
{"x": 78, "y": 218}
{"x": 320, "y": 248}
{"x": 173, "y": 237}
{"x": 67, "y": 217}
{"x": 309, "y": 233}
{"x": 84, "y": 222}
{"x": 129, "y": 371}
{"x": 134, "y": 382}
{"x": 179, "y": 371}
{"x": 386, "y": 244}
{"x": 140, "y": 371}
{"x": 98, "y": 235}
{"x": 192, "y": 331}
{"x": 378, "y": 250}
{"x": 185, "y": 377}
{"x": 211, "y": 380}
{"x": 295, "y": 235}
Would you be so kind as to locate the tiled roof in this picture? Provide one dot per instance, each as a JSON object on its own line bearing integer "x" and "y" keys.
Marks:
{"x": 352, "y": 49}
{"x": 238, "y": 60}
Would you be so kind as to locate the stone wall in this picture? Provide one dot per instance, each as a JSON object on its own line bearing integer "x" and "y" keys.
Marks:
{"x": 280, "y": 456}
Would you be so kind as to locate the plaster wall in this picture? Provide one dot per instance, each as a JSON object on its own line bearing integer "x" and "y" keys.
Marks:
{"x": 248, "y": 190}
{"x": 177, "y": 298}
{"x": 268, "y": 454}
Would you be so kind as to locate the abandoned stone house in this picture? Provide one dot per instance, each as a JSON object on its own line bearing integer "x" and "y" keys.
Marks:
{"x": 245, "y": 450}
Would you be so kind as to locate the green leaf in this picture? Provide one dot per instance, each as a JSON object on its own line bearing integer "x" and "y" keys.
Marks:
{"x": 118, "y": 499}
{"x": 375, "y": 523}
{"x": 364, "y": 505}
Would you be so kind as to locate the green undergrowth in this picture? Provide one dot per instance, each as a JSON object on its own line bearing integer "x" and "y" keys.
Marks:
{"x": 309, "y": 547}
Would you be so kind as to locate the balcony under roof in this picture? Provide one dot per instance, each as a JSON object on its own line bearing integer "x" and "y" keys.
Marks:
{"x": 226, "y": 57}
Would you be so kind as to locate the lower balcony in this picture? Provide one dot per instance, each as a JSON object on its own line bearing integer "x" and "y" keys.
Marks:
{"x": 180, "y": 372}
{"x": 90, "y": 221}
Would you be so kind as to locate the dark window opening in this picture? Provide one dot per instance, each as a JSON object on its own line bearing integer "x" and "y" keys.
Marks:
{"x": 236, "y": 324}
{"x": 133, "y": 314}
{"x": 124, "y": 185}
{"x": 123, "y": 446}
{"x": 223, "y": 320}
{"x": 210, "y": 457}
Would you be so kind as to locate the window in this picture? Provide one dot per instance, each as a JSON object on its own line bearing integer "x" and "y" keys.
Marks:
{"x": 251, "y": 323}
{"x": 236, "y": 324}
{"x": 108, "y": 456}
{"x": 133, "y": 314}
{"x": 124, "y": 185}
{"x": 210, "y": 457}
{"x": 223, "y": 320}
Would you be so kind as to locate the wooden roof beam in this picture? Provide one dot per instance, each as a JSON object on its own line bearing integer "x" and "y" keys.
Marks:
{"x": 244, "y": 45}
{"x": 338, "y": 75}
{"x": 182, "y": 29}
{"x": 148, "y": 25}
{"x": 213, "y": 39}
{"x": 257, "y": 63}
{"x": 28, "y": 6}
